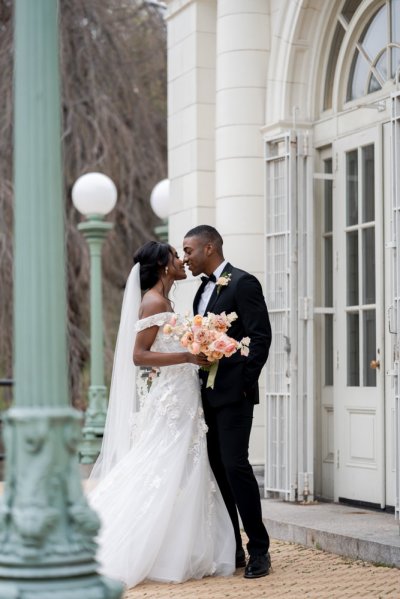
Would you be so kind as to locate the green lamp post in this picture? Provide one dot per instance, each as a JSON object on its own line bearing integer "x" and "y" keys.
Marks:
{"x": 47, "y": 529}
{"x": 94, "y": 195}
{"x": 159, "y": 201}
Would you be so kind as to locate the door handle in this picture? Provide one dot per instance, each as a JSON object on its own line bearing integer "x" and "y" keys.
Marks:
{"x": 374, "y": 364}
{"x": 391, "y": 320}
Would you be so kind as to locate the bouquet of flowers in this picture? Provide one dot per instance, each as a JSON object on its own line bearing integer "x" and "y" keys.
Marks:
{"x": 207, "y": 335}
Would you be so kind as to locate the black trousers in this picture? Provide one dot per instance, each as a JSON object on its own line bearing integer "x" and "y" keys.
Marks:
{"x": 228, "y": 451}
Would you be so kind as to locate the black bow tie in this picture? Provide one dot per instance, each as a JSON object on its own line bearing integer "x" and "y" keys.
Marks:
{"x": 211, "y": 278}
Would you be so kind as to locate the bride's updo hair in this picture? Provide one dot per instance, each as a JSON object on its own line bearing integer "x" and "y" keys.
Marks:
{"x": 153, "y": 257}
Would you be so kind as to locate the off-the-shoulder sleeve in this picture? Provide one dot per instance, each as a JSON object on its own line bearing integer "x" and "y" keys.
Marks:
{"x": 151, "y": 321}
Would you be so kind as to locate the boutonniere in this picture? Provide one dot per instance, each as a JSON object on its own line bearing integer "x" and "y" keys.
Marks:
{"x": 223, "y": 281}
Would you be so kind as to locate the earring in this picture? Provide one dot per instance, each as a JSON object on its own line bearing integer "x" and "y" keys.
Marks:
{"x": 166, "y": 270}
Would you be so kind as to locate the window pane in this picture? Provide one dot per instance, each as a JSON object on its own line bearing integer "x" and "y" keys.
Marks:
{"x": 353, "y": 351}
{"x": 373, "y": 84}
{"x": 328, "y": 166}
{"x": 352, "y": 187}
{"x": 328, "y": 349}
{"x": 395, "y": 10}
{"x": 381, "y": 66}
{"x": 277, "y": 148}
{"x": 368, "y": 178}
{"x": 328, "y": 185}
{"x": 352, "y": 268}
{"x": 331, "y": 67}
{"x": 395, "y": 60}
{"x": 358, "y": 76}
{"x": 370, "y": 347}
{"x": 328, "y": 271}
{"x": 349, "y": 8}
{"x": 368, "y": 265}
{"x": 375, "y": 34}
{"x": 395, "y": 35}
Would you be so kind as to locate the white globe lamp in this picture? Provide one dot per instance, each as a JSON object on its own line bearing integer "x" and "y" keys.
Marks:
{"x": 159, "y": 199}
{"x": 94, "y": 194}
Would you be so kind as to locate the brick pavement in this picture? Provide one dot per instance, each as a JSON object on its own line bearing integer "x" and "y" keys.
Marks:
{"x": 297, "y": 573}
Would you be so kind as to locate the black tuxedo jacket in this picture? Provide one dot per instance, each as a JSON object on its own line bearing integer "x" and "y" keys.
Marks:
{"x": 237, "y": 376}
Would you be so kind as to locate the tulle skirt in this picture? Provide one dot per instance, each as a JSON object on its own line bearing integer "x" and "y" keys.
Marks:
{"x": 163, "y": 517}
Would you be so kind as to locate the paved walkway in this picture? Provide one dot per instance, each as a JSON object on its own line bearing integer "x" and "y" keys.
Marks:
{"x": 300, "y": 569}
{"x": 298, "y": 572}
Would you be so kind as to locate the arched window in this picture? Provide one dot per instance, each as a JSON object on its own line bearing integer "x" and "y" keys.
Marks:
{"x": 377, "y": 53}
{"x": 344, "y": 18}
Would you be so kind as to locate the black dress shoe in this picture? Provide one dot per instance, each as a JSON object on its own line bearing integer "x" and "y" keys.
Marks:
{"x": 258, "y": 566}
{"x": 240, "y": 558}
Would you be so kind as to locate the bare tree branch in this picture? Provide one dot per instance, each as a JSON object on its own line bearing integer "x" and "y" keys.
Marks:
{"x": 113, "y": 65}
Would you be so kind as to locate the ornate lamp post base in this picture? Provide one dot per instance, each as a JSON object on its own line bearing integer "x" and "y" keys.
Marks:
{"x": 47, "y": 529}
{"x": 84, "y": 588}
{"x": 90, "y": 447}
{"x": 95, "y": 418}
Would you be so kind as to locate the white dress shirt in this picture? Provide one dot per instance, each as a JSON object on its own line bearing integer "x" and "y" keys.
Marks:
{"x": 209, "y": 288}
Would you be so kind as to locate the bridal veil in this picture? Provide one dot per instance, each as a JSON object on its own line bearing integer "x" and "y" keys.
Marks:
{"x": 123, "y": 395}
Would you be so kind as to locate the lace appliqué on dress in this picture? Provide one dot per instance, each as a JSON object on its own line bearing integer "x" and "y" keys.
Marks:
{"x": 198, "y": 440}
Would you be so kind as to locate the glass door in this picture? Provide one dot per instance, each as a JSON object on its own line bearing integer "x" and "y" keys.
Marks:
{"x": 358, "y": 275}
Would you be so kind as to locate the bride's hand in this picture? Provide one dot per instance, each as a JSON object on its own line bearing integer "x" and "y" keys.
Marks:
{"x": 198, "y": 360}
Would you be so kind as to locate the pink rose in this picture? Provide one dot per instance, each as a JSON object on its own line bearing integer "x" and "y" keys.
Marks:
{"x": 221, "y": 323}
{"x": 187, "y": 339}
{"x": 200, "y": 336}
{"x": 212, "y": 336}
{"x": 225, "y": 344}
{"x": 195, "y": 348}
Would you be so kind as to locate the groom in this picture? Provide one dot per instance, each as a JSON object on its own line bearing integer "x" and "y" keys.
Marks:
{"x": 228, "y": 407}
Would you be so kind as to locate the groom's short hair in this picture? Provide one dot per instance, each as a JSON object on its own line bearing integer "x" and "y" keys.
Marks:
{"x": 208, "y": 234}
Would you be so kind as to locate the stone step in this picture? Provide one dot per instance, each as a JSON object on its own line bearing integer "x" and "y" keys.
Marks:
{"x": 357, "y": 533}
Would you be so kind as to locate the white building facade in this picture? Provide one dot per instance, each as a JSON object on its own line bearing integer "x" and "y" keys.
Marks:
{"x": 284, "y": 133}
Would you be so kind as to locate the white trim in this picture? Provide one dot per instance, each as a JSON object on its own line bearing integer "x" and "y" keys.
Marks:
{"x": 395, "y": 193}
{"x": 305, "y": 319}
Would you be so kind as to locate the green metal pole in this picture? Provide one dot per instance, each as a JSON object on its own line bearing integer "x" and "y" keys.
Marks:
{"x": 95, "y": 230}
{"x": 47, "y": 530}
{"x": 162, "y": 231}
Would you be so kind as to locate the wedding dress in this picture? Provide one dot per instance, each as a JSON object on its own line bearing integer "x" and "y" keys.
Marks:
{"x": 163, "y": 517}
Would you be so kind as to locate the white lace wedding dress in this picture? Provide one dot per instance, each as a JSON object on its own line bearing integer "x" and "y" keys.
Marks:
{"x": 163, "y": 517}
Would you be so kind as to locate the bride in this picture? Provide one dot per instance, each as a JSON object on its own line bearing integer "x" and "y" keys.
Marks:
{"x": 163, "y": 517}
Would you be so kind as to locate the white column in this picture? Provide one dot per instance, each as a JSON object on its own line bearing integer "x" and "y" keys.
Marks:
{"x": 243, "y": 35}
{"x": 191, "y": 114}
